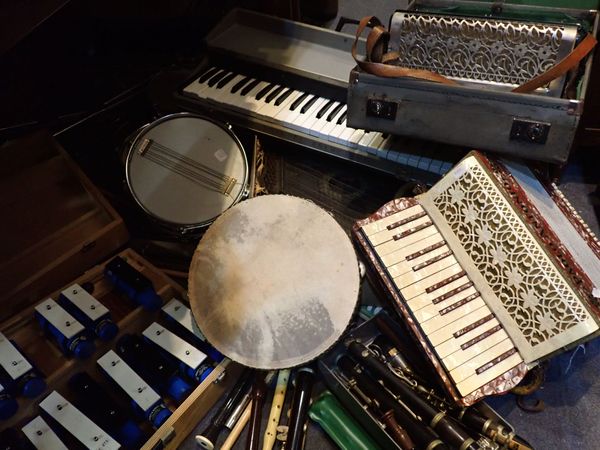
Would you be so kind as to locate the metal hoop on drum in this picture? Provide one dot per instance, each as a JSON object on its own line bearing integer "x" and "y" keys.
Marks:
{"x": 185, "y": 170}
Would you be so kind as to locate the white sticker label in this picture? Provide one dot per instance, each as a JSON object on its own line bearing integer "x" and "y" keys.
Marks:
{"x": 61, "y": 319}
{"x": 78, "y": 424}
{"x": 11, "y": 360}
{"x": 221, "y": 155}
{"x": 180, "y": 349}
{"x": 182, "y": 315}
{"x": 85, "y": 302}
{"x": 41, "y": 435}
{"x": 141, "y": 393}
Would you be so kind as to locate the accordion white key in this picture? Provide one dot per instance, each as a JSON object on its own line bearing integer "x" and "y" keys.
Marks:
{"x": 491, "y": 270}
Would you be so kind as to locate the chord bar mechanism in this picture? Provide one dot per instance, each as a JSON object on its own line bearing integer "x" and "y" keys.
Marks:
{"x": 186, "y": 167}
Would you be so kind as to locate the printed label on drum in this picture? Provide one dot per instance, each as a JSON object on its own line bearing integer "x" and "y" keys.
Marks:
{"x": 221, "y": 155}
{"x": 182, "y": 315}
{"x": 139, "y": 391}
{"x": 180, "y": 349}
{"x": 42, "y": 436}
{"x": 61, "y": 319}
{"x": 79, "y": 425}
{"x": 85, "y": 302}
{"x": 11, "y": 360}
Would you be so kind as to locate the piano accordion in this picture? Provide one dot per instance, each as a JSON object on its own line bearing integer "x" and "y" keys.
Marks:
{"x": 491, "y": 270}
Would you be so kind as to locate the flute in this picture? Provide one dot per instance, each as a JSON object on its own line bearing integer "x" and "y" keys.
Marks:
{"x": 208, "y": 438}
{"x": 371, "y": 391}
{"x": 276, "y": 408}
{"x": 296, "y": 436}
{"x": 448, "y": 428}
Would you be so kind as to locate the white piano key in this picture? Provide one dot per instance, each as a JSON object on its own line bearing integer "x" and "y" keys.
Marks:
{"x": 458, "y": 314}
{"x": 432, "y": 310}
{"x": 420, "y": 287}
{"x": 286, "y": 115}
{"x": 329, "y": 126}
{"x": 460, "y": 357}
{"x": 418, "y": 241}
{"x": 299, "y": 119}
{"x": 249, "y": 101}
{"x": 470, "y": 367}
{"x": 404, "y": 266}
{"x": 271, "y": 110}
{"x": 355, "y": 138}
{"x": 381, "y": 224}
{"x": 345, "y": 135}
{"x": 365, "y": 142}
{"x": 453, "y": 344}
{"x": 375, "y": 144}
{"x": 426, "y": 299}
{"x": 196, "y": 88}
{"x": 475, "y": 381}
{"x": 320, "y": 123}
{"x": 390, "y": 235}
{"x": 336, "y": 133}
{"x": 309, "y": 118}
{"x": 390, "y": 245}
{"x": 224, "y": 94}
{"x": 415, "y": 276}
{"x": 447, "y": 332}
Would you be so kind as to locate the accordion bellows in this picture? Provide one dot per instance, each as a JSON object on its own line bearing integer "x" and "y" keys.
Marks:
{"x": 491, "y": 270}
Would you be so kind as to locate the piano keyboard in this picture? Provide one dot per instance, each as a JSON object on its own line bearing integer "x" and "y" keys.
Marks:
{"x": 472, "y": 345}
{"x": 319, "y": 118}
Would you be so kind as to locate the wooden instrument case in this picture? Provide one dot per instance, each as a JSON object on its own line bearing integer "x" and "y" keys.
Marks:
{"x": 58, "y": 227}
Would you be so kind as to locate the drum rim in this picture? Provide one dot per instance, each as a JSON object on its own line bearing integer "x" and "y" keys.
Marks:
{"x": 182, "y": 228}
{"x": 193, "y": 289}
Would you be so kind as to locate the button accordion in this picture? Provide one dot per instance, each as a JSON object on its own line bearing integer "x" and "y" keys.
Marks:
{"x": 491, "y": 270}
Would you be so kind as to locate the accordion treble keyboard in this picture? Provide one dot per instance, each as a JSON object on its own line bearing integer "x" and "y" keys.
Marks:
{"x": 464, "y": 333}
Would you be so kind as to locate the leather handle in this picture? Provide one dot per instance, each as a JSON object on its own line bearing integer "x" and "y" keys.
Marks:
{"x": 377, "y": 61}
{"x": 376, "y": 52}
{"x": 561, "y": 67}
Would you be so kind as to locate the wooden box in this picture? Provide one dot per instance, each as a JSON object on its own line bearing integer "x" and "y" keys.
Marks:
{"x": 57, "y": 368}
{"x": 55, "y": 222}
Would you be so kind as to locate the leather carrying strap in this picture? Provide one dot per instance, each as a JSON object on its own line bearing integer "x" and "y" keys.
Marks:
{"x": 379, "y": 62}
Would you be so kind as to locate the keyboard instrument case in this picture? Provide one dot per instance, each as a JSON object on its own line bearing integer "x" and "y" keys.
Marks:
{"x": 58, "y": 230}
{"x": 481, "y": 111}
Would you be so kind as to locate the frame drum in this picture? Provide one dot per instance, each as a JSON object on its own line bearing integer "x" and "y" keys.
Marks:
{"x": 185, "y": 170}
{"x": 274, "y": 282}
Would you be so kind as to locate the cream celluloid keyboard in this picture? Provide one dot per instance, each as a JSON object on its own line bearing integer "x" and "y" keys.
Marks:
{"x": 464, "y": 333}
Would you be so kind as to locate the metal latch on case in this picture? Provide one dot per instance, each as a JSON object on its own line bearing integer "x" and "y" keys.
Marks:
{"x": 529, "y": 131}
{"x": 381, "y": 109}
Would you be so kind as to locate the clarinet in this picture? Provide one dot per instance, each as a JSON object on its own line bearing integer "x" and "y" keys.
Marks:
{"x": 208, "y": 438}
{"x": 492, "y": 429}
{"x": 296, "y": 436}
{"x": 259, "y": 390}
{"x": 372, "y": 392}
{"x": 449, "y": 428}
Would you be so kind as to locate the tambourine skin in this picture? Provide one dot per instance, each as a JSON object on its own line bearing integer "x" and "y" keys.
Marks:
{"x": 184, "y": 170}
{"x": 274, "y": 282}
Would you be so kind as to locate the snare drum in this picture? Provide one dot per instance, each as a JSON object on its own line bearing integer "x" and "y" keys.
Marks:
{"x": 185, "y": 170}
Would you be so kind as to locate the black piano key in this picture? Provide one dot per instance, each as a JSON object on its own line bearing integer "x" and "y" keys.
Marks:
{"x": 274, "y": 94}
{"x": 264, "y": 91}
{"x": 308, "y": 104}
{"x": 206, "y": 75}
{"x": 249, "y": 87}
{"x": 282, "y": 97}
{"x": 333, "y": 113}
{"x": 298, "y": 101}
{"x": 237, "y": 86}
{"x": 226, "y": 80}
{"x": 342, "y": 118}
{"x": 324, "y": 109}
{"x": 217, "y": 77}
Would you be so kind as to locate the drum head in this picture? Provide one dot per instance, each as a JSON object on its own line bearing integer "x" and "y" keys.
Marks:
{"x": 185, "y": 170}
{"x": 274, "y": 282}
